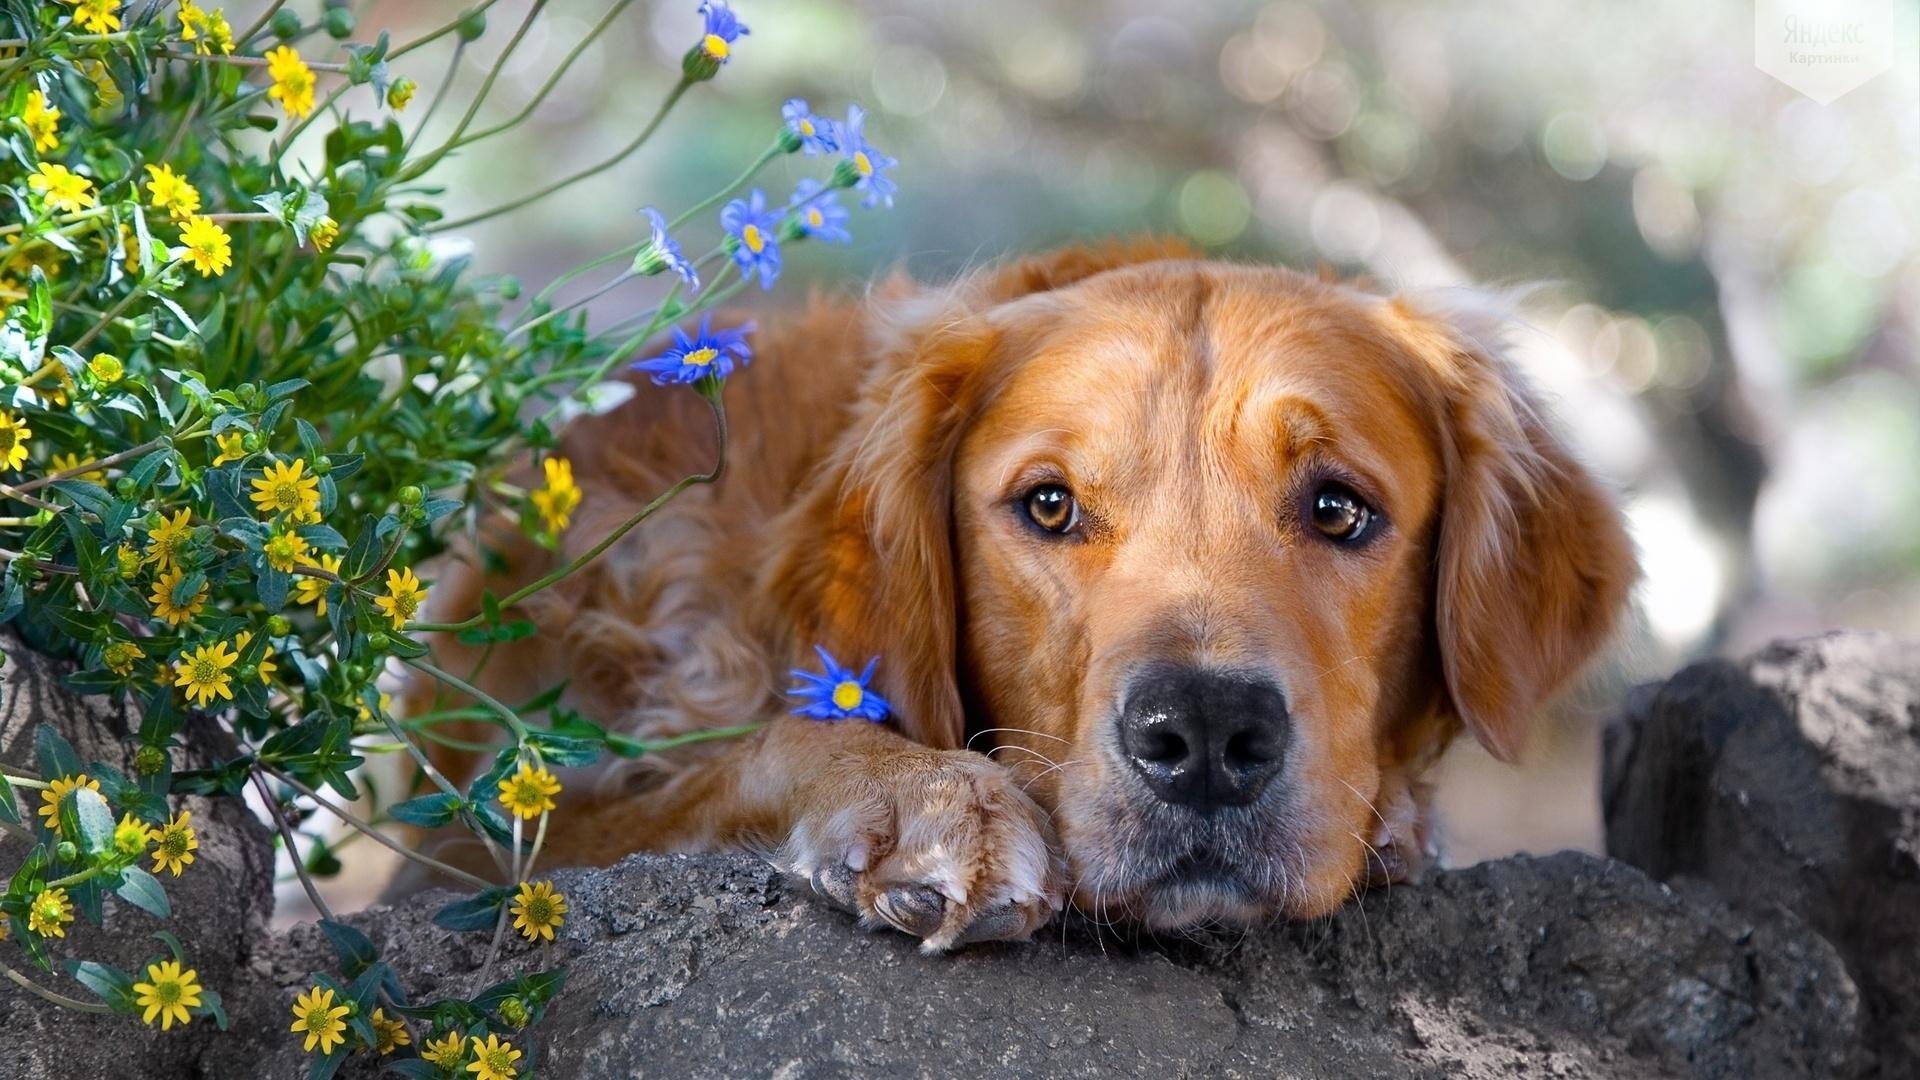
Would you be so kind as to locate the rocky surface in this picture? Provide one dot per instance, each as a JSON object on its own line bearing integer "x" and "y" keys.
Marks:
{"x": 713, "y": 966}
{"x": 220, "y": 905}
{"x": 1791, "y": 781}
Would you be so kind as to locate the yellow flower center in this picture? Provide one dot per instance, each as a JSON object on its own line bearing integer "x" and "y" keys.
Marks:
{"x": 862, "y": 163}
{"x": 7, "y": 440}
{"x": 702, "y": 357}
{"x": 806, "y": 126}
{"x": 286, "y": 496}
{"x": 815, "y": 218}
{"x": 715, "y": 46}
{"x": 174, "y": 843}
{"x": 167, "y": 993}
{"x": 317, "y": 1017}
{"x": 539, "y": 910}
{"x": 751, "y": 237}
{"x": 848, "y": 695}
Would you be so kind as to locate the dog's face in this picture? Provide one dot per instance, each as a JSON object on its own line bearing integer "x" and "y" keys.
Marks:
{"x": 1224, "y": 549}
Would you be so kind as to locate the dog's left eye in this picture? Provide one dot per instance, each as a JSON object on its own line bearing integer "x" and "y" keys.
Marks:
{"x": 1051, "y": 507}
{"x": 1341, "y": 515}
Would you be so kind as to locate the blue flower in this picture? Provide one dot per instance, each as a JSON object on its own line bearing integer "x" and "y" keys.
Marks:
{"x": 723, "y": 29}
{"x": 805, "y": 131}
{"x": 710, "y": 352}
{"x": 866, "y": 165}
{"x": 662, "y": 252}
{"x": 839, "y": 694}
{"x": 817, "y": 213}
{"x": 753, "y": 233}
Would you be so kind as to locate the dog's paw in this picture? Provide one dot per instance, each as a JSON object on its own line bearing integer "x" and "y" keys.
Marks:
{"x": 942, "y": 845}
{"x": 1403, "y": 843}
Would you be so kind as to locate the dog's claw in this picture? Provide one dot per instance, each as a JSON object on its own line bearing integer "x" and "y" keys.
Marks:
{"x": 1005, "y": 923}
{"x": 837, "y": 884}
{"x": 913, "y": 909}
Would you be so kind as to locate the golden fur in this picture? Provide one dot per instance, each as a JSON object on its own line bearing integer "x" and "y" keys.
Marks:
{"x": 878, "y": 446}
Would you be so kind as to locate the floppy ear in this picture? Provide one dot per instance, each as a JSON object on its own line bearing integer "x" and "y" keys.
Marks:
{"x": 864, "y": 557}
{"x": 1533, "y": 563}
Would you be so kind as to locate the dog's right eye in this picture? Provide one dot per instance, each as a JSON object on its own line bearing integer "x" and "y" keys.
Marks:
{"x": 1052, "y": 508}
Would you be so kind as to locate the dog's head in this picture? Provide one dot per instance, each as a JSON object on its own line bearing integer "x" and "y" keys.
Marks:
{"x": 1208, "y": 550}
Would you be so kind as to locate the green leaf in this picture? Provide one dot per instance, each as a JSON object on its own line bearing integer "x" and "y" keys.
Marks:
{"x": 355, "y": 949}
{"x": 564, "y": 749}
{"x": 9, "y": 808}
{"x": 477, "y": 912}
{"x": 109, "y": 983}
{"x": 87, "y": 820}
{"x": 427, "y": 811}
{"x": 54, "y": 754}
{"x": 142, "y": 890}
{"x": 211, "y": 1005}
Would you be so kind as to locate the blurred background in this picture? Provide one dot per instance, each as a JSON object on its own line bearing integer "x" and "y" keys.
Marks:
{"x": 1730, "y": 314}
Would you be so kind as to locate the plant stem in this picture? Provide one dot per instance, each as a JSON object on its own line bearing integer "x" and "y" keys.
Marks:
{"x": 685, "y": 482}
{"x": 499, "y": 708}
{"x": 293, "y": 850}
{"x": 436, "y": 35}
{"x": 552, "y": 80}
{"x": 376, "y": 835}
{"x": 618, "y": 156}
{"x": 61, "y": 1000}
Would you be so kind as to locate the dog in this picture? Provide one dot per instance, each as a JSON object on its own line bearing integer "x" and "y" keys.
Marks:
{"x": 1179, "y": 574}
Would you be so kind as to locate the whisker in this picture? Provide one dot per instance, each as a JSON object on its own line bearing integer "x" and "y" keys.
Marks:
{"x": 1015, "y": 730}
{"x": 1057, "y": 765}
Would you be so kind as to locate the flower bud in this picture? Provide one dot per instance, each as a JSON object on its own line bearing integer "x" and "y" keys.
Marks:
{"x": 126, "y": 560}
{"x": 401, "y": 93}
{"x": 323, "y": 233}
{"x": 845, "y": 175}
{"x": 149, "y": 760}
{"x": 339, "y": 22}
{"x": 125, "y": 487}
{"x": 699, "y": 65}
{"x": 790, "y": 141}
{"x": 472, "y": 25}
{"x": 278, "y": 626}
{"x": 379, "y": 640}
{"x": 322, "y": 465}
{"x": 411, "y": 495}
{"x": 66, "y": 851}
{"x": 514, "y": 1012}
{"x": 509, "y": 287}
{"x": 286, "y": 24}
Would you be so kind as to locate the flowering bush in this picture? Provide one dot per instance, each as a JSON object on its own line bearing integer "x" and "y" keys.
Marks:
{"x": 241, "y": 401}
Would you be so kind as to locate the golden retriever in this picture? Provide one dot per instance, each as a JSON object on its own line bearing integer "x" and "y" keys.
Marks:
{"x": 1179, "y": 573}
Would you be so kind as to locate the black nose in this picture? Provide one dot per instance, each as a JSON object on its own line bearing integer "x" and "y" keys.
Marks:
{"x": 1204, "y": 739}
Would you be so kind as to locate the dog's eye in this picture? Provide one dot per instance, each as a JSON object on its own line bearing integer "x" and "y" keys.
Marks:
{"x": 1052, "y": 507}
{"x": 1340, "y": 514}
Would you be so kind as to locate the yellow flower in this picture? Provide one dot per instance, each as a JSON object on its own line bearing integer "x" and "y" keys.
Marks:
{"x": 231, "y": 446}
{"x": 131, "y": 837}
{"x": 14, "y": 434}
{"x": 292, "y": 81}
{"x": 168, "y": 993}
{"x": 193, "y": 24}
{"x": 400, "y": 94}
{"x": 219, "y": 32}
{"x": 529, "y": 792}
{"x": 175, "y": 844}
{"x": 285, "y": 489}
{"x": 97, "y": 15}
{"x": 559, "y": 497}
{"x": 315, "y": 1013}
{"x": 204, "y": 673}
{"x": 493, "y": 1059}
{"x": 404, "y": 596}
{"x": 286, "y": 549}
{"x": 162, "y": 597}
{"x": 56, "y": 793}
{"x": 313, "y": 590}
{"x": 120, "y": 656}
{"x": 107, "y": 368}
{"x": 388, "y": 1032}
{"x": 166, "y": 540}
{"x": 172, "y": 192}
{"x": 538, "y": 911}
{"x": 61, "y": 187}
{"x": 206, "y": 247}
{"x": 49, "y": 913}
{"x": 66, "y": 462}
{"x": 42, "y": 120}
{"x": 445, "y": 1052}
{"x": 266, "y": 667}
{"x": 127, "y": 559}
{"x": 323, "y": 233}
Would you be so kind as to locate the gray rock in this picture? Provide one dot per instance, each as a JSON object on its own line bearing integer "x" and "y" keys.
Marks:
{"x": 1791, "y": 781}
{"x": 221, "y": 902}
{"x": 713, "y": 966}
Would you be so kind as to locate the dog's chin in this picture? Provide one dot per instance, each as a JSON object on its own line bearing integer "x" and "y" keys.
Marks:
{"x": 1197, "y": 895}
